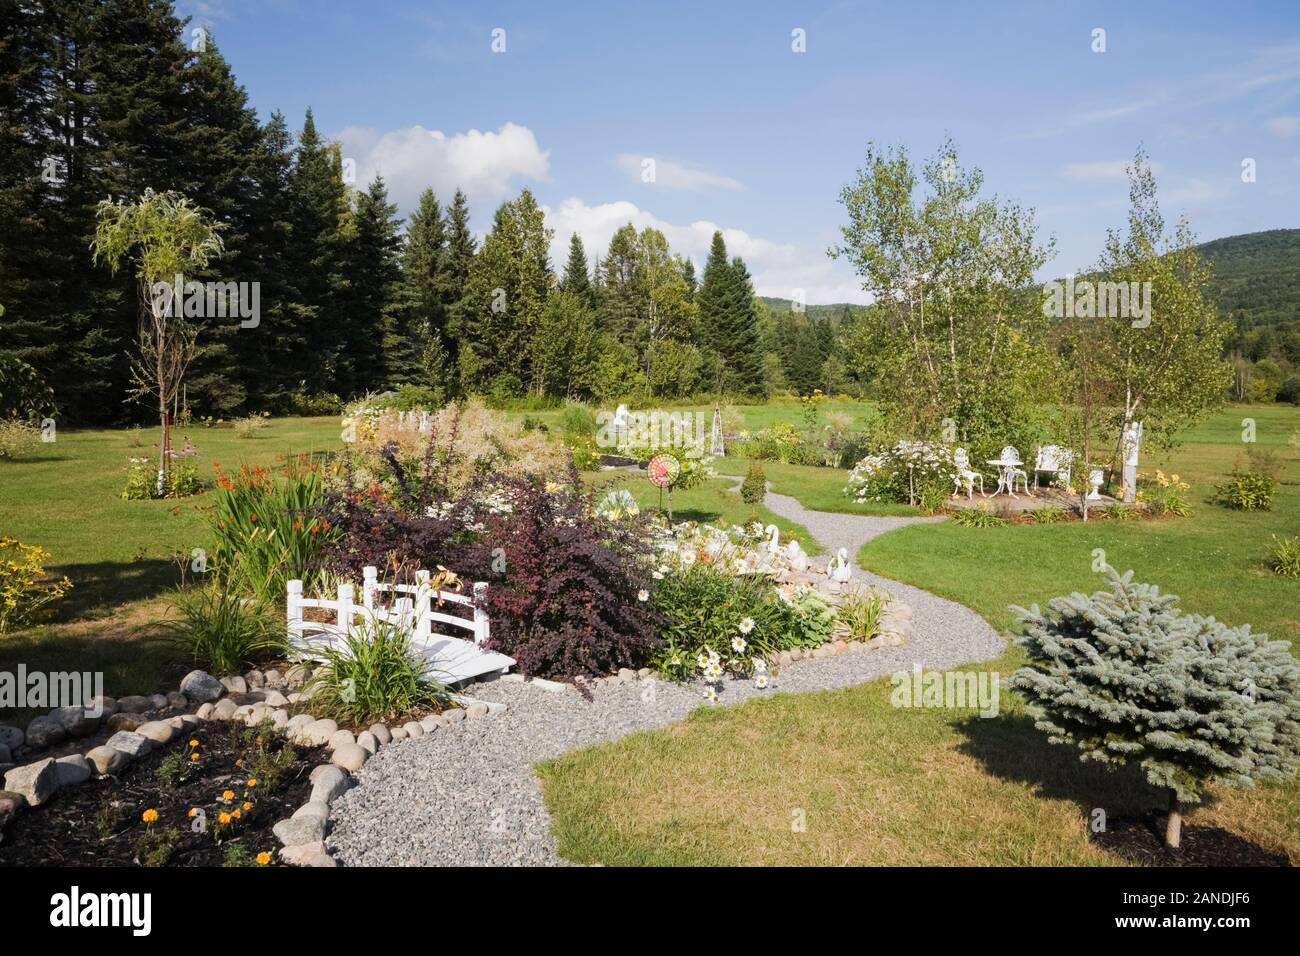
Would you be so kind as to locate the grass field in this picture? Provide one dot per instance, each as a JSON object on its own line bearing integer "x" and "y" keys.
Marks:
{"x": 883, "y": 785}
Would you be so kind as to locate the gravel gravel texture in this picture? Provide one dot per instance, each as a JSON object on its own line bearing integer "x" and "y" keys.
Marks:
{"x": 467, "y": 795}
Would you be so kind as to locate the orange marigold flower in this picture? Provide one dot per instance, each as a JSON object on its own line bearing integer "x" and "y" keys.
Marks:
{"x": 149, "y": 816}
{"x": 247, "y": 806}
{"x": 252, "y": 781}
{"x": 193, "y": 811}
{"x": 223, "y": 818}
{"x": 235, "y": 814}
{"x": 194, "y": 743}
{"x": 263, "y": 858}
{"x": 194, "y": 756}
{"x": 228, "y": 795}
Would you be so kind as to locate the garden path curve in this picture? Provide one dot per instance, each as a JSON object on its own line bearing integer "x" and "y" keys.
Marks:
{"x": 468, "y": 795}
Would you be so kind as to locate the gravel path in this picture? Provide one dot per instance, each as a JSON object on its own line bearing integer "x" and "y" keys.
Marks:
{"x": 467, "y": 795}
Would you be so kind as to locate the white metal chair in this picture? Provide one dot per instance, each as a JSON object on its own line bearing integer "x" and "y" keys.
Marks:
{"x": 1009, "y": 454}
{"x": 965, "y": 474}
{"x": 1057, "y": 460}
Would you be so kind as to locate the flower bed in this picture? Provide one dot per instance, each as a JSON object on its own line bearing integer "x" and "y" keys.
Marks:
{"x": 209, "y": 800}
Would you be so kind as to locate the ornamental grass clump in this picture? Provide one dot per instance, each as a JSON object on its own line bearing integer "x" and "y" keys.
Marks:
{"x": 374, "y": 674}
{"x": 1127, "y": 677}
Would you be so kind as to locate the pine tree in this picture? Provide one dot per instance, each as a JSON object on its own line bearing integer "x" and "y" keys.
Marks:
{"x": 453, "y": 272}
{"x": 621, "y": 291}
{"x": 271, "y": 355}
{"x": 576, "y": 279}
{"x": 502, "y": 306}
{"x": 1127, "y": 677}
{"x": 728, "y": 323}
{"x": 377, "y": 338}
{"x": 320, "y": 220}
{"x": 218, "y": 167}
{"x": 422, "y": 257}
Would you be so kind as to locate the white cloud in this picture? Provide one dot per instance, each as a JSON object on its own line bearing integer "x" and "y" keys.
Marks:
{"x": 1284, "y": 126}
{"x": 671, "y": 175}
{"x": 484, "y": 164}
{"x": 778, "y": 268}
{"x": 1102, "y": 170}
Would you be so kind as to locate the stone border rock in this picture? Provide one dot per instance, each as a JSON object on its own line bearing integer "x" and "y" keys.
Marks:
{"x": 251, "y": 700}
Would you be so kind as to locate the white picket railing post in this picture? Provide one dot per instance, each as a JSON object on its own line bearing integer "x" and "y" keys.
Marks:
{"x": 423, "y": 608}
{"x": 481, "y": 626}
{"x": 370, "y": 575}
{"x": 345, "y": 608}
{"x": 294, "y": 605}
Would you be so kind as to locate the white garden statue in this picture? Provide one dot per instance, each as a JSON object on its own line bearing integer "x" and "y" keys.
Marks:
{"x": 796, "y": 557}
{"x": 839, "y": 570}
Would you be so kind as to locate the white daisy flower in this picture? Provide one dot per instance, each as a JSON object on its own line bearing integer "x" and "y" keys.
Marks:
{"x": 746, "y": 625}
{"x": 643, "y": 595}
{"x": 738, "y": 645}
{"x": 710, "y": 694}
{"x": 657, "y": 575}
{"x": 760, "y": 666}
{"x": 760, "y": 681}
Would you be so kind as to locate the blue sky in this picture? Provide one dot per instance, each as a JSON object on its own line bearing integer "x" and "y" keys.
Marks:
{"x": 753, "y": 138}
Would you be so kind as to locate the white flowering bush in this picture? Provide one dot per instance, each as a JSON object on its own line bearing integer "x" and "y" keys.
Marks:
{"x": 903, "y": 472}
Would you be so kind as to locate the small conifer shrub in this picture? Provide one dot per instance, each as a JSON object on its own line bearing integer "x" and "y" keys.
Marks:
{"x": 1127, "y": 677}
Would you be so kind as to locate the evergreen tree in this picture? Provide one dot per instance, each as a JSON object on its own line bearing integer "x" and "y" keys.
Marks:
{"x": 219, "y": 171}
{"x": 502, "y": 306}
{"x": 321, "y": 224}
{"x": 728, "y": 323}
{"x": 1127, "y": 677}
{"x": 620, "y": 286}
{"x": 565, "y": 348}
{"x": 271, "y": 355}
{"x": 576, "y": 279}
{"x": 422, "y": 257}
{"x": 377, "y": 339}
{"x": 453, "y": 273}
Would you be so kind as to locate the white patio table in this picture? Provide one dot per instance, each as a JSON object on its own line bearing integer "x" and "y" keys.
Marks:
{"x": 1006, "y": 475}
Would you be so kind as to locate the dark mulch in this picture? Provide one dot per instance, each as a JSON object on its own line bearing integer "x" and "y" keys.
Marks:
{"x": 100, "y": 822}
{"x": 1143, "y": 841}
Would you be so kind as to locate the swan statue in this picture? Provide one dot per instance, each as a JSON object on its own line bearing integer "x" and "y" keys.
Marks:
{"x": 773, "y": 543}
{"x": 796, "y": 557}
{"x": 838, "y": 569}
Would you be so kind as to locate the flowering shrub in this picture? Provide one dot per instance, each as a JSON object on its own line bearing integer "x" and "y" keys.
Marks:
{"x": 24, "y": 599}
{"x": 904, "y": 472}
{"x": 270, "y": 526}
{"x": 733, "y": 622}
{"x": 617, "y": 504}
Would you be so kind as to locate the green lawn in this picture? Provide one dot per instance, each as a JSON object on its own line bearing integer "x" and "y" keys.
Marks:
{"x": 67, "y": 499}
{"x": 712, "y": 502}
{"x": 883, "y": 785}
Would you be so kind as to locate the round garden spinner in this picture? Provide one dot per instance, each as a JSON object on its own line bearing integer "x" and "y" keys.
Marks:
{"x": 663, "y": 472}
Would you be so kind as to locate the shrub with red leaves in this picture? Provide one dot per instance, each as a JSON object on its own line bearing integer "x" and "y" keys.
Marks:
{"x": 565, "y": 585}
{"x": 569, "y": 601}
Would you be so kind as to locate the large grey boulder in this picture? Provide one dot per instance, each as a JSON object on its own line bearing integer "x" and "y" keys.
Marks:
{"x": 201, "y": 687}
{"x": 330, "y": 783}
{"x": 36, "y": 782}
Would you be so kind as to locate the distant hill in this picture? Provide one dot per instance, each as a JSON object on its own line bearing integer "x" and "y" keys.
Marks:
{"x": 1257, "y": 277}
{"x": 835, "y": 311}
{"x": 1256, "y": 281}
